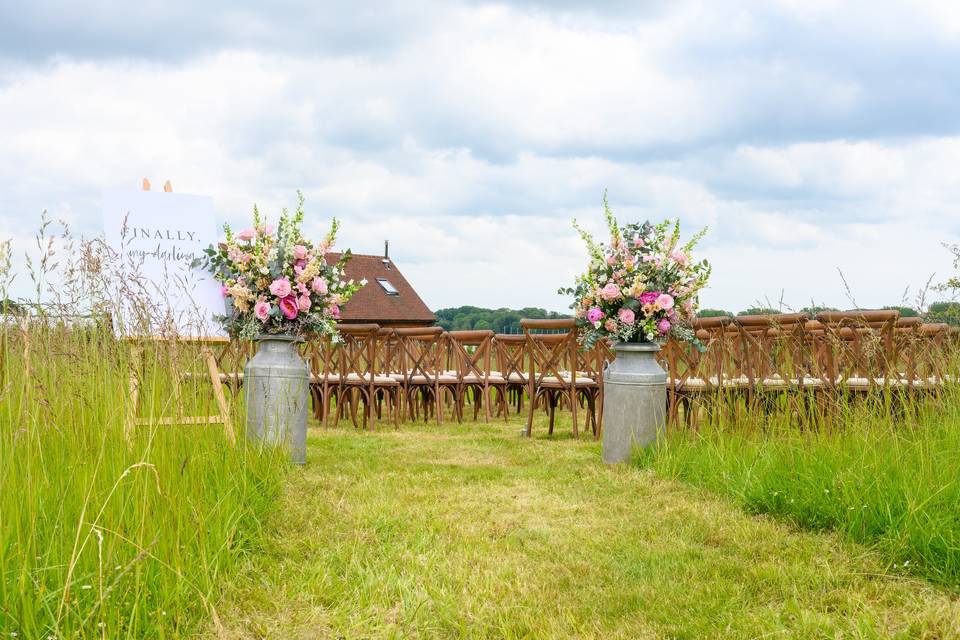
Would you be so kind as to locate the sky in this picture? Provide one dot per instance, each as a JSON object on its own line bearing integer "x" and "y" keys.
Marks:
{"x": 812, "y": 137}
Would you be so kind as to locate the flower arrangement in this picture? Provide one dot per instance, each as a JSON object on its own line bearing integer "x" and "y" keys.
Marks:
{"x": 642, "y": 287}
{"x": 277, "y": 282}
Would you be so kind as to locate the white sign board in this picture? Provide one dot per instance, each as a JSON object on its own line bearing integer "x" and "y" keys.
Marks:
{"x": 155, "y": 236}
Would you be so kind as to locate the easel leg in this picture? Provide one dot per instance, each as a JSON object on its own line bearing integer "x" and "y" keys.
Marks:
{"x": 221, "y": 399}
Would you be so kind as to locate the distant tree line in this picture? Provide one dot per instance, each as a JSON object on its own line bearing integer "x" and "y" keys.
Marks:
{"x": 948, "y": 312}
{"x": 505, "y": 320}
{"x": 498, "y": 320}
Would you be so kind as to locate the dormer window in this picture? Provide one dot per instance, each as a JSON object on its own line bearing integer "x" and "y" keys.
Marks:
{"x": 387, "y": 287}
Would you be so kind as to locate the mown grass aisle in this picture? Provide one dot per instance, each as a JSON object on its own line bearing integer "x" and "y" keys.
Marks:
{"x": 469, "y": 531}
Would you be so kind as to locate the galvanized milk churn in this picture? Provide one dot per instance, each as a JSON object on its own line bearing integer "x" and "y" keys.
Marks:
{"x": 277, "y": 388}
{"x": 634, "y": 400}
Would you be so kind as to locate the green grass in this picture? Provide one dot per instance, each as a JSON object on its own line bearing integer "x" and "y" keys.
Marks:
{"x": 887, "y": 479}
{"x": 105, "y": 538}
{"x": 473, "y": 532}
{"x": 451, "y": 531}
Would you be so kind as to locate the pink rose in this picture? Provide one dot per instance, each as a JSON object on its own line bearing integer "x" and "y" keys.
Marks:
{"x": 649, "y": 297}
{"x": 680, "y": 258}
{"x": 663, "y": 326}
{"x": 665, "y": 301}
{"x": 301, "y": 265}
{"x": 299, "y": 252}
{"x": 302, "y": 289}
{"x": 319, "y": 285}
{"x": 247, "y": 234}
{"x": 610, "y": 325}
{"x": 289, "y": 308}
{"x": 261, "y": 310}
{"x": 334, "y": 311}
{"x": 612, "y": 260}
{"x": 610, "y": 292}
{"x": 594, "y": 314}
{"x": 303, "y": 302}
{"x": 280, "y": 287}
{"x": 626, "y": 316}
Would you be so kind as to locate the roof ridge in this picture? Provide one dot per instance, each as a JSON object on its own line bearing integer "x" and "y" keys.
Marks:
{"x": 360, "y": 255}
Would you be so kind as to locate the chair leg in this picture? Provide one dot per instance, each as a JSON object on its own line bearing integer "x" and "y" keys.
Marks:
{"x": 551, "y": 409}
{"x": 572, "y": 394}
{"x": 530, "y": 410}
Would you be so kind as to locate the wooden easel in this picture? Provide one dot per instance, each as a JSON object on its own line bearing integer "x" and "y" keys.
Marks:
{"x": 213, "y": 372}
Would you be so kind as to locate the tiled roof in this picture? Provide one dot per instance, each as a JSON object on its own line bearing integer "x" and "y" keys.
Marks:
{"x": 372, "y": 303}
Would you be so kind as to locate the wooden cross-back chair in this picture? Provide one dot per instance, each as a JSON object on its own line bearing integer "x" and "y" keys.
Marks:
{"x": 472, "y": 353}
{"x": 323, "y": 357}
{"x": 511, "y": 352}
{"x": 421, "y": 359}
{"x": 554, "y": 372}
{"x": 859, "y": 348}
{"x": 932, "y": 356}
{"x": 694, "y": 374}
{"x": 210, "y": 352}
{"x": 359, "y": 382}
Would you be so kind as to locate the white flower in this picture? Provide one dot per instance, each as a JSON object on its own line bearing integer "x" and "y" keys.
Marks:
{"x": 363, "y": 282}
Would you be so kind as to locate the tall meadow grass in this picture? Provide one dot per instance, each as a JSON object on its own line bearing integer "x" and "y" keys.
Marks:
{"x": 105, "y": 534}
{"x": 883, "y": 470}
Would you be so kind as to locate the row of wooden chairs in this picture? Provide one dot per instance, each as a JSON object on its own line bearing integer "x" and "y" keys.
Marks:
{"x": 427, "y": 372}
{"x": 829, "y": 354}
{"x": 391, "y": 374}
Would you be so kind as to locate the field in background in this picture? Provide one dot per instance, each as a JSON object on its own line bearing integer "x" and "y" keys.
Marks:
{"x": 105, "y": 538}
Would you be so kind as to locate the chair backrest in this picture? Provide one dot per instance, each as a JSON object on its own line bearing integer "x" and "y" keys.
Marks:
{"x": 768, "y": 345}
{"x": 471, "y": 352}
{"x": 358, "y": 350}
{"x": 511, "y": 353}
{"x": 859, "y": 344}
{"x": 420, "y": 351}
{"x": 550, "y": 355}
{"x": 685, "y": 362}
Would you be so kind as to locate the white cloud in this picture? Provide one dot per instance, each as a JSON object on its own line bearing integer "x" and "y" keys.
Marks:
{"x": 473, "y": 140}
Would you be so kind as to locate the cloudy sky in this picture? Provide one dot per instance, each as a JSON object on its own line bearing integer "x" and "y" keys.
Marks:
{"x": 811, "y": 136}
